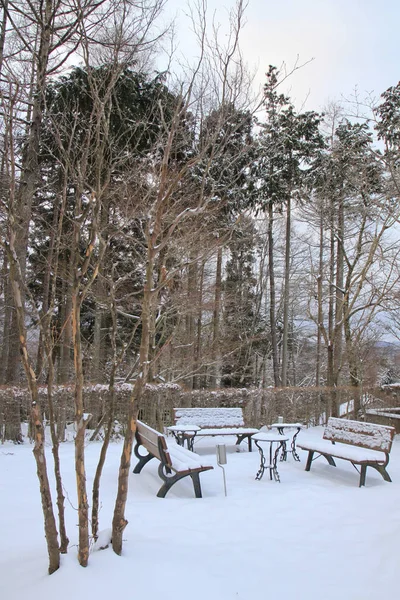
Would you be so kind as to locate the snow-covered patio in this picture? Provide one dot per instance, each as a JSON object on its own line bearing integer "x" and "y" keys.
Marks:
{"x": 314, "y": 536}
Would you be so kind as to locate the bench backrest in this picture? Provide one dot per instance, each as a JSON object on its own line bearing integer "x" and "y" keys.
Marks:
{"x": 358, "y": 433}
{"x": 209, "y": 417}
{"x": 153, "y": 441}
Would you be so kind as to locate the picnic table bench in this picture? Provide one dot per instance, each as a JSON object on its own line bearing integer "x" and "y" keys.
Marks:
{"x": 363, "y": 444}
{"x": 175, "y": 462}
{"x": 216, "y": 421}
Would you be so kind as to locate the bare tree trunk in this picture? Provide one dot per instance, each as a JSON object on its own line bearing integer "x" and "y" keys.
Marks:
{"x": 81, "y": 421}
{"x": 272, "y": 295}
{"x": 190, "y": 319}
{"x": 119, "y": 520}
{"x": 64, "y": 368}
{"x": 38, "y": 451}
{"x": 98, "y": 363}
{"x": 286, "y": 294}
{"x": 331, "y": 381}
{"x": 29, "y": 168}
{"x": 338, "y": 336}
{"x": 46, "y": 288}
{"x": 3, "y": 32}
{"x": 216, "y": 358}
{"x": 320, "y": 316}
{"x": 197, "y": 356}
{"x": 64, "y": 541}
{"x": 109, "y": 424}
{"x": 7, "y": 319}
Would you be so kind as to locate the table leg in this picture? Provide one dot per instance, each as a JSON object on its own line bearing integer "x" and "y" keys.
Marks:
{"x": 283, "y": 444}
{"x": 274, "y": 468}
{"x": 180, "y": 439}
{"x": 271, "y": 467}
{"x": 293, "y": 445}
{"x": 261, "y": 470}
{"x": 190, "y": 441}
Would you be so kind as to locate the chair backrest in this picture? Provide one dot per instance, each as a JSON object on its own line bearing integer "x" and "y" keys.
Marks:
{"x": 358, "y": 433}
{"x": 153, "y": 441}
{"x": 209, "y": 417}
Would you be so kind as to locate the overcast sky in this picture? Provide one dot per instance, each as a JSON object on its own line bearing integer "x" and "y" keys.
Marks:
{"x": 353, "y": 43}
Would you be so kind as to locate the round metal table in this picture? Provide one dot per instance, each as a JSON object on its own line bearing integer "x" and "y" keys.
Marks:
{"x": 184, "y": 432}
{"x": 282, "y": 427}
{"x": 271, "y": 439}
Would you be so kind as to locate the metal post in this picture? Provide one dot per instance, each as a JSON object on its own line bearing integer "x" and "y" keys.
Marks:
{"x": 222, "y": 460}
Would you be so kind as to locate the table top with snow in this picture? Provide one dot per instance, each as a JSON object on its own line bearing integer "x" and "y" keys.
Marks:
{"x": 269, "y": 437}
{"x": 287, "y": 425}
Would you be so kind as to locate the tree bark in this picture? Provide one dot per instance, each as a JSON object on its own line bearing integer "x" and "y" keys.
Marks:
{"x": 29, "y": 169}
{"x": 320, "y": 316}
{"x": 38, "y": 451}
{"x": 216, "y": 358}
{"x": 272, "y": 296}
{"x": 119, "y": 520}
{"x": 81, "y": 421}
{"x": 286, "y": 293}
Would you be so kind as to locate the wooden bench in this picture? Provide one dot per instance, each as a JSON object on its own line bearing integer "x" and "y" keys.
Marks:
{"x": 216, "y": 421}
{"x": 364, "y": 444}
{"x": 175, "y": 462}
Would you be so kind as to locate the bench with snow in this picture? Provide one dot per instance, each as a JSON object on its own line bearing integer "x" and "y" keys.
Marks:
{"x": 175, "y": 462}
{"x": 363, "y": 444}
{"x": 216, "y": 421}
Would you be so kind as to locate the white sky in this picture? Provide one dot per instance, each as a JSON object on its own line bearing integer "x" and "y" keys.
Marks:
{"x": 354, "y": 43}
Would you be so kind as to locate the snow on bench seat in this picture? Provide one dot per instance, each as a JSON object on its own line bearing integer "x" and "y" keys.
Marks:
{"x": 345, "y": 451}
{"x": 183, "y": 460}
{"x": 173, "y": 458}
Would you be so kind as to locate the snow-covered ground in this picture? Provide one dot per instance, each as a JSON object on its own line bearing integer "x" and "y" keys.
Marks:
{"x": 314, "y": 536}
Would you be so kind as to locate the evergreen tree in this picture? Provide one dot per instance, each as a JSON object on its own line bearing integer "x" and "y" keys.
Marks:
{"x": 288, "y": 146}
{"x": 239, "y": 312}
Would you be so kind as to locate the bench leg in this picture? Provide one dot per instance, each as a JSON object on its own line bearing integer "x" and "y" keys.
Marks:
{"x": 162, "y": 492}
{"x": 309, "y": 459}
{"x": 143, "y": 460}
{"x": 382, "y": 470}
{"x": 240, "y": 438}
{"x": 170, "y": 481}
{"x": 329, "y": 459}
{"x": 311, "y": 455}
{"x": 196, "y": 484}
{"x": 363, "y": 473}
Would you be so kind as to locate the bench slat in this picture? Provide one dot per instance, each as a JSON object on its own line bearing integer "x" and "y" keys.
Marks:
{"x": 184, "y": 460}
{"x": 357, "y": 433}
{"x": 150, "y": 438}
{"x": 172, "y": 458}
{"x": 345, "y": 451}
{"x": 209, "y": 417}
{"x": 364, "y": 444}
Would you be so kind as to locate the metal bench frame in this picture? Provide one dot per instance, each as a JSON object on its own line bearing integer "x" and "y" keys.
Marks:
{"x": 356, "y": 434}
{"x": 158, "y": 448}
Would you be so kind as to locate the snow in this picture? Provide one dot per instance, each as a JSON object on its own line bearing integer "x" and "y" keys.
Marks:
{"x": 345, "y": 451}
{"x": 314, "y": 535}
{"x": 369, "y": 435}
{"x": 227, "y": 431}
{"x": 210, "y": 417}
{"x": 383, "y": 413}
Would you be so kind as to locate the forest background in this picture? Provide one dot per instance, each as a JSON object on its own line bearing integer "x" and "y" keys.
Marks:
{"x": 174, "y": 227}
